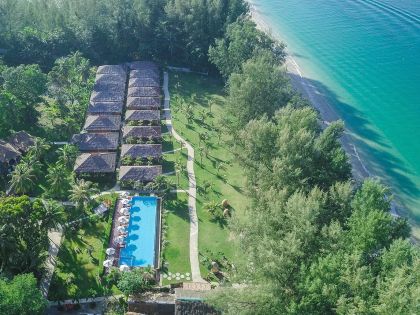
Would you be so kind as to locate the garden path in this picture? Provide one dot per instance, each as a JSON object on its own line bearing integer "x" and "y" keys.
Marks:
{"x": 55, "y": 237}
{"x": 192, "y": 191}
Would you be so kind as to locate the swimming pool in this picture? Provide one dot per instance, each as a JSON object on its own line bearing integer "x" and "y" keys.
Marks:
{"x": 142, "y": 241}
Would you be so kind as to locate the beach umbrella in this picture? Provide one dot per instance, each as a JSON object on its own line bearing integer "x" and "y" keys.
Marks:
{"x": 121, "y": 229}
{"x": 107, "y": 263}
{"x": 124, "y": 211}
{"x": 124, "y": 268}
{"x": 110, "y": 251}
{"x": 122, "y": 220}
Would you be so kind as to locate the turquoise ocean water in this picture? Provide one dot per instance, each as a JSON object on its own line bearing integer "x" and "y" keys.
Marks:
{"x": 365, "y": 56}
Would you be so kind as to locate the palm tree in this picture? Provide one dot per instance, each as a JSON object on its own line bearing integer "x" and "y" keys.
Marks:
{"x": 58, "y": 179}
{"x": 201, "y": 153}
{"x": 82, "y": 191}
{"x": 54, "y": 214}
{"x": 67, "y": 155}
{"x": 180, "y": 168}
{"x": 39, "y": 148}
{"x": 211, "y": 207}
{"x": 206, "y": 186}
{"x": 23, "y": 179}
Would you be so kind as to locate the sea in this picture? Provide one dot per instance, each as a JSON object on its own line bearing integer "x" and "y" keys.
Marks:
{"x": 364, "y": 55}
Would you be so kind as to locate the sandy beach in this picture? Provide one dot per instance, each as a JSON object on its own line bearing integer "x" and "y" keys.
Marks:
{"x": 317, "y": 99}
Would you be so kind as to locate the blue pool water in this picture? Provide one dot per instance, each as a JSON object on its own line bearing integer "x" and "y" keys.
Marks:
{"x": 140, "y": 247}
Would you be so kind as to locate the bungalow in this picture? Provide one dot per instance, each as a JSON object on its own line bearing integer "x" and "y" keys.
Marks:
{"x": 144, "y": 82}
{"x": 102, "y": 123}
{"x": 95, "y": 163}
{"x": 144, "y": 174}
{"x": 22, "y": 141}
{"x": 105, "y": 108}
{"x": 143, "y": 103}
{"x": 11, "y": 151}
{"x": 154, "y": 74}
{"x": 140, "y": 65}
{"x": 108, "y": 95}
{"x": 110, "y": 78}
{"x": 96, "y": 142}
{"x": 141, "y": 151}
{"x": 143, "y": 92}
{"x": 111, "y": 69}
{"x": 144, "y": 133}
{"x": 143, "y": 116}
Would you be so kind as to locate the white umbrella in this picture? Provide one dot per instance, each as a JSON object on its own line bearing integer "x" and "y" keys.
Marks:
{"x": 122, "y": 220}
{"x": 119, "y": 239}
{"x": 110, "y": 251}
{"x": 124, "y": 268}
{"x": 124, "y": 211}
{"x": 121, "y": 229}
{"x": 107, "y": 263}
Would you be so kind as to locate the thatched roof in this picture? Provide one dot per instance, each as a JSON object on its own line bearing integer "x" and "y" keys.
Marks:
{"x": 95, "y": 163}
{"x": 143, "y": 103}
{"x": 97, "y": 141}
{"x": 140, "y": 173}
{"x": 142, "y": 132}
{"x": 102, "y": 123}
{"x": 22, "y": 141}
{"x": 143, "y": 92}
{"x": 111, "y": 69}
{"x": 142, "y": 74}
{"x": 141, "y": 150}
{"x": 149, "y": 115}
{"x": 111, "y": 78}
{"x": 139, "y": 65}
{"x": 144, "y": 82}
{"x": 8, "y": 152}
{"x": 115, "y": 88}
{"x": 103, "y": 108}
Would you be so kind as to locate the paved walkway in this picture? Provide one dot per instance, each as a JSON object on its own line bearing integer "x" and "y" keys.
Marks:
{"x": 192, "y": 191}
{"x": 55, "y": 242}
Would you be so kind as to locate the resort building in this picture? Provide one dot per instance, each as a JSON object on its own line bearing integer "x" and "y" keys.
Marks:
{"x": 94, "y": 163}
{"x": 145, "y": 117}
{"x": 111, "y": 69}
{"x": 12, "y": 150}
{"x": 144, "y": 82}
{"x": 102, "y": 123}
{"x": 143, "y": 174}
{"x": 143, "y": 92}
{"x": 142, "y": 132}
{"x": 142, "y": 103}
{"x": 105, "y": 108}
{"x": 97, "y": 142}
{"x": 143, "y": 65}
{"x": 142, "y": 151}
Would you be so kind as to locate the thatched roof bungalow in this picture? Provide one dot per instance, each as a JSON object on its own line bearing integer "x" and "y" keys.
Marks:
{"x": 142, "y": 132}
{"x": 105, "y": 108}
{"x": 143, "y": 92}
{"x": 111, "y": 69}
{"x": 110, "y": 78}
{"x": 142, "y": 115}
{"x": 142, "y": 103}
{"x": 144, "y": 82}
{"x": 143, "y": 174}
{"x": 95, "y": 163}
{"x": 144, "y": 74}
{"x": 21, "y": 141}
{"x": 102, "y": 123}
{"x": 8, "y": 153}
{"x": 96, "y": 142}
{"x": 141, "y": 150}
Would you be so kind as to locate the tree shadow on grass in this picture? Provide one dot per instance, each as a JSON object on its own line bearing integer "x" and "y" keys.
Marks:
{"x": 178, "y": 208}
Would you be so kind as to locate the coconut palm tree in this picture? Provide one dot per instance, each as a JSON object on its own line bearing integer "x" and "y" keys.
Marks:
{"x": 82, "y": 191}
{"x": 54, "y": 214}
{"x": 67, "y": 155}
{"x": 40, "y": 147}
{"x": 23, "y": 179}
{"x": 180, "y": 168}
{"x": 58, "y": 179}
{"x": 212, "y": 207}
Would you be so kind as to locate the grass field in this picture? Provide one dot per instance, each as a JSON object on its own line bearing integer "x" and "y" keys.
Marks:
{"x": 216, "y": 166}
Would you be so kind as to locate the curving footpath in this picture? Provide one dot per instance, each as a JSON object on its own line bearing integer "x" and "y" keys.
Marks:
{"x": 192, "y": 191}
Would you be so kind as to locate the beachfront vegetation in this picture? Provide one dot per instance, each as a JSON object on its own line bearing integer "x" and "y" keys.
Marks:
{"x": 136, "y": 281}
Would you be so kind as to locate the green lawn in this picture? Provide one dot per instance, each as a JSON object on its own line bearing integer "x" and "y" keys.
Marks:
{"x": 79, "y": 263}
{"x": 218, "y": 168}
{"x": 176, "y": 249}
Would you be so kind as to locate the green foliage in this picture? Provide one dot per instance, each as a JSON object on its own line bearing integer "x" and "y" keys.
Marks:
{"x": 135, "y": 282}
{"x": 24, "y": 229}
{"x": 241, "y": 42}
{"x": 20, "y": 296}
{"x": 82, "y": 191}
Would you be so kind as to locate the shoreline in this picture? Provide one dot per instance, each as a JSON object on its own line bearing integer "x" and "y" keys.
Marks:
{"x": 315, "y": 97}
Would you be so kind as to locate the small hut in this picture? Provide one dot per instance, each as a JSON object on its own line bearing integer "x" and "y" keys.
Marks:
{"x": 142, "y": 151}
{"x": 144, "y": 133}
{"x": 96, "y": 142}
{"x": 142, "y": 65}
{"x": 144, "y": 174}
{"x": 144, "y": 82}
{"x": 111, "y": 69}
{"x": 142, "y": 74}
{"x": 142, "y": 103}
{"x": 143, "y": 116}
{"x": 102, "y": 123}
{"x": 95, "y": 163}
{"x": 105, "y": 108}
{"x": 21, "y": 141}
{"x": 143, "y": 92}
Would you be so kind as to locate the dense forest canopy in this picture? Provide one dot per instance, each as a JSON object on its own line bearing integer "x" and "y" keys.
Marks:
{"x": 112, "y": 31}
